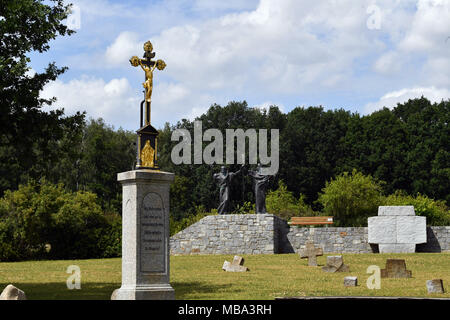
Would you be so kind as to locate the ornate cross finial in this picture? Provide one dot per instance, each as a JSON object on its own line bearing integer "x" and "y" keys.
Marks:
{"x": 147, "y": 136}
{"x": 148, "y": 65}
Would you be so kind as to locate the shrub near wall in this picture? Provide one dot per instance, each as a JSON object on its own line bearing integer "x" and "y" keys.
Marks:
{"x": 436, "y": 211}
{"x": 43, "y": 221}
{"x": 351, "y": 199}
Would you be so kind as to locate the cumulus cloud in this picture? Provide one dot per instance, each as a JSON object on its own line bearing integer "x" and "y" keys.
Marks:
{"x": 118, "y": 103}
{"x": 391, "y": 99}
{"x": 284, "y": 47}
{"x": 124, "y": 46}
{"x": 419, "y": 42}
{"x": 267, "y": 104}
{"x": 108, "y": 100}
{"x": 286, "y": 51}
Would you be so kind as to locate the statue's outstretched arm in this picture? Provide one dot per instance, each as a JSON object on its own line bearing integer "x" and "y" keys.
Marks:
{"x": 142, "y": 66}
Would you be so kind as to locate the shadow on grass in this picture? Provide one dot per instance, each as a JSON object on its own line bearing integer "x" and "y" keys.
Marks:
{"x": 189, "y": 290}
{"x": 59, "y": 291}
{"x": 103, "y": 291}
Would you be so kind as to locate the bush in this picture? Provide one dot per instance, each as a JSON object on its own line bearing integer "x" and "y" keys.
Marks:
{"x": 246, "y": 208}
{"x": 282, "y": 203}
{"x": 436, "y": 211}
{"x": 351, "y": 198}
{"x": 45, "y": 221}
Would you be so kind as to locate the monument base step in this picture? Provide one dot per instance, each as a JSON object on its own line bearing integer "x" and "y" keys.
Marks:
{"x": 397, "y": 247}
{"x": 161, "y": 292}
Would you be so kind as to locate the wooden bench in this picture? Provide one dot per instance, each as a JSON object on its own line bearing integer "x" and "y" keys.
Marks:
{"x": 311, "y": 220}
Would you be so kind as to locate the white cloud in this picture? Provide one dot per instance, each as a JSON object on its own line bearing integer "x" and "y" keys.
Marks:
{"x": 430, "y": 26}
{"x": 118, "y": 103}
{"x": 122, "y": 49}
{"x": 286, "y": 51}
{"x": 419, "y": 43}
{"x": 389, "y": 63}
{"x": 391, "y": 99}
{"x": 108, "y": 100}
{"x": 266, "y": 105}
{"x": 280, "y": 47}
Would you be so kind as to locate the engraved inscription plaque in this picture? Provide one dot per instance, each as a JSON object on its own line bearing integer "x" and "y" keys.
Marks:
{"x": 153, "y": 237}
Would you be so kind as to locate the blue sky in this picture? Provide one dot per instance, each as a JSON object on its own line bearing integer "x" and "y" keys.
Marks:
{"x": 356, "y": 55}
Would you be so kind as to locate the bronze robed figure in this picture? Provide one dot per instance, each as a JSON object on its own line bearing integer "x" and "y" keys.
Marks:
{"x": 224, "y": 178}
{"x": 261, "y": 182}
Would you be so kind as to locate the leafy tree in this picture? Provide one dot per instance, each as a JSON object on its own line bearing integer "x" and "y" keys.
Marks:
{"x": 282, "y": 203}
{"x": 351, "y": 198}
{"x": 377, "y": 145}
{"x": 105, "y": 152}
{"x": 428, "y": 142}
{"x": 43, "y": 220}
{"x": 199, "y": 178}
{"x": 310, "y": 149}
{"x": 28, "y": 135}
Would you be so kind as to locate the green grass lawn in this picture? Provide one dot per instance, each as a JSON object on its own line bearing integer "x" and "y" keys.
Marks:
{"x": 201, "y": 277}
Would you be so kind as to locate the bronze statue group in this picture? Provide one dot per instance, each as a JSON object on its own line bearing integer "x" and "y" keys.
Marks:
{"x": 260, "y": 181}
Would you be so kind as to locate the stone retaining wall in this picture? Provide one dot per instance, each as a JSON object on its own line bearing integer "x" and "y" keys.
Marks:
{"x": 227, "y": 234}
{"x": 268, "y": 234}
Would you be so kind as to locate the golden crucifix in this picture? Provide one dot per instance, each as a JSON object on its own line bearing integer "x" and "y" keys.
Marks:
{"x": 148, "y": 66}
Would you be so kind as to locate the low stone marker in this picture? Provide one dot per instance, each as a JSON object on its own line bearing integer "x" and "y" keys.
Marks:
{"x": 311, "y": 253}
{"x": 335, "y": 264}
{"x": 12, "y": 293}
{"x": 235, "y": 266}
{"x": 351, "y": 281}
{"x": 395, "y": 268}
{"x": 435, "y": 286}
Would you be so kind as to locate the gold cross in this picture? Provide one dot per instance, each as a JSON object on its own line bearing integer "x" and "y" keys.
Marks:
{"x": 148, "y": 66}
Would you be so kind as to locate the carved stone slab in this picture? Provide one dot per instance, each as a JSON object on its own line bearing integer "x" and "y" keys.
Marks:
{"x": 395, "y": 268}
{"x": 235, "y": 266}
{"x": 396, "y": 211}
{"x": 335, "y": 264}
{"x": 311, "y": 253}
{"x": 396, "y": 229}
{"x": 351, "y": 281}
{"x": 435, "y": 286}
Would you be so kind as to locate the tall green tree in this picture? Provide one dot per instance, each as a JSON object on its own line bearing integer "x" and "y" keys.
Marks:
{"x": 376, "y": 144}
{"x": 28, "y": 135}
{"x": 428, "y": 143}
{"x": 104, "y": 152}
{"x": 311, "y": 146}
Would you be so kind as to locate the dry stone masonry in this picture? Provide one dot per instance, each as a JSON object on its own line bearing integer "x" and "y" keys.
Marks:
{"x": 228, "y": 234}
{"x": 268, "y": 234}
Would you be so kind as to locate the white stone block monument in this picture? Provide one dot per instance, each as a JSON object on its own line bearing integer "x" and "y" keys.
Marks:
{"x": 145, "y": 236}
{"x": 397, "y": 229}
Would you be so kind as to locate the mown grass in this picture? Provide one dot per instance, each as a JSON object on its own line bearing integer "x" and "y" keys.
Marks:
{"x": 201, "y": 277}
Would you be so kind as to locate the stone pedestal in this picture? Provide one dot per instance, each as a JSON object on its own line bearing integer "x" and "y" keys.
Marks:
{"x": 145, "y": 236}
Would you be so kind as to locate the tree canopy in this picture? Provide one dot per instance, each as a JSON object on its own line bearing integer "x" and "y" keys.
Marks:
{"x": 29, "y": 136}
